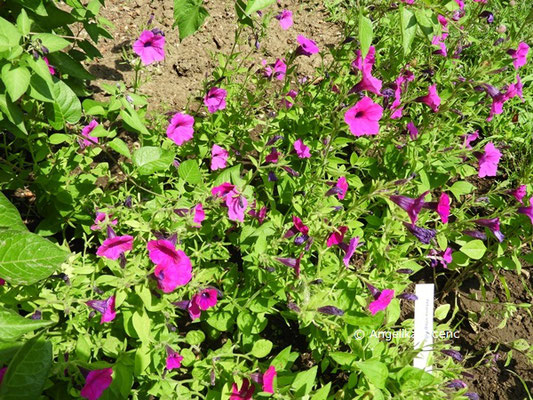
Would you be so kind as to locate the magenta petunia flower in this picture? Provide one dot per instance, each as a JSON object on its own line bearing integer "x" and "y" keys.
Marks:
{"x": 442, "y": 257}
{"x": 51, "y": 68}
{"x": 113, "y": 247}
{"x": 528, "y": 210}
{"x": 519, "y": 55}
{"x": 301, "y": 149}
{"x": 173, "y": 267}
{"x": 222, "y": 190}
{"x": 350, "y": 250}
{"x": 368, "y": 82}
{"x": 469, "y": 138}
{"x": 173, "y": 359}
{"x": 443, "y": 22}
{"x": 363, "y": 118}
{"x": 199, "y": 215}
{"x": 342, "y": 184}
{"x": 337, "y": 236}
{"x": 400, "y": 86}
{"x": 150, "y": 47}
{"x": 2, "y": 373}
{"x": 86, "y": 133}
{"x": 439, "y": 42}
{"x": 410, "y": 2}
{"x": 368, "y": 62}
{"x": 307, "y": 46}
{"x": 273, "y": 156}
{"x": 413, "y": 132}
{"x": 494, "y": 226}
{"x": 219, "y": 157}
{"x": 280, "y": 69}
{"x": 215, "y": 99}
{"x": 519, "y": 193}
{"x": 297, "y": 226}
{"x": 515, "y": 89}
{"x": 244, "y": 393}
{"x": 432, "y": 99}
{"x": 96, "y": 382}
{"x": 2, "y": 282}
{"x": 237, "y": 205}
{"x": 268, "y": 379}
{"x": 488, "y": 161}
{"x": 105, "y": 307}
{"x": 443, "y": 207}
{"x": 202, "y": 301}
{"x": 180, "y": 129}
{"x": 382, "y": 302}
{"x": 286, "y": 102}
{"x": 285, "y": 19}
{"x": 410, "y": 205}
{"x": 101, "y": 217}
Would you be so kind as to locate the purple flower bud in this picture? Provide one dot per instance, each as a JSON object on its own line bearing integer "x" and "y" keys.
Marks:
{"x": 129, "y": 99}
{"x": 182, "y": 304}
{"x": 472, "y": 396}
{"x": 456, "y": 384}
{"x": 291, "y": 171}
{"x": 387, "y": 92}
{"x": 292, "y": 306}
{"x": 257, "y": 377}
{"x": 151, "y": 19}
{"x": 498, "y": 41}
{"x": 309, "y": 243}
{"x": 494, "y": 226}
{"x": 45, "y": 50}
{"x": 317, "y": 282}
{"x": 408, "y": 296}
{"x": 272, "y": 176}
{"x": 330, "y": 310}
{"x": 36, "y": 315}
{"x": 273, "y": 140}
{"x": 176, "y": 163}
{"x": 334, "y": 190}
{"x": 289, "y": 262}
{"x": 488, "y": 16}
{"x": 171, "y": 328}
{"x": 122, "y": 261}
{"x": 337, "y": 208}
{"x": 467, "y": 375}
{"x": 182, "y": 212}
{"x": 35, "y": 54}
{"x": 422, "y": 234}
{"x": 373, "y": 290}
{"x": 299, "y": 240}
{"x": 97, "y": 290}
{"x": 157, "y": 31}
{"x": 127, "y": 202}
{"x": 212, "y": 377}
{"x": 406, "y": 271}
{"x": 475, "y": 234}
{"x": 457, "y": 356}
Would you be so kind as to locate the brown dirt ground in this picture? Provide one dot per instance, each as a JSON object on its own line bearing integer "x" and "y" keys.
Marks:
{"x": 189, "y": 62}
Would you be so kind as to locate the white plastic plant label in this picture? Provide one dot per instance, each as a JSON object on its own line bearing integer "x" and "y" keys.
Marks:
{"x": 423, "y": 335}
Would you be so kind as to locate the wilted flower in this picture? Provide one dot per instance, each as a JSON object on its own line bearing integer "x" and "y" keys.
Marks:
{"x": 272, "y": 176}
{"x": 519, "y": 193}
{"x": 180, "y": 129}
{"x": 96, "y": 382}
{"x": 150, "y": 47}
{"x": 456, "y": 384}
{"x": 298, "y": 226}
{"x": 488, "y": 16}
{"x": 287, "y": 103}
{"x": 457, "y": 356}
{"x": 494, "y": 226}
{"x": 408, "y": 296}
{"x": 472, "y": 395}
{"x": 337, "y": 236}
{"x": 410, "y": 205}
{"x": 105, "y": 307}
{"x": 273, "y": 156}
{"x": 349, "y": 250}
{"x": 422, "y": 234}
{"x": 413, "y": 132}
{"x": 215, "y": 99}
{"x": 330, "y": 310}
{"x": 244, "y": 393}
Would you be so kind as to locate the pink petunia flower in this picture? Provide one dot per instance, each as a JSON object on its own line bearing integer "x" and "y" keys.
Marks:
{"x": 101, "y": 217}
{"x": 273, "y": 156}
{"x": 51, "y": 68}
{"x": 368, "y": 82}
{"x": 215, "y": 99}
{"x": 113, "y": 247}
{"x": 342, "y": 184}
{"x": 173, "y": 359}
{"x": 96, "y": 382}
{"x": 237, "y": 205}
{"x": 488, "y": 161}
{"x": 301, "y": 149}
{"x": 515, "y": 89}
{"x": 297, "y": 226}
{"x": 285, "y": 19}
{"x": 180, "y": 129}
{"x": 337, "y": 236}
{"x": 413, "y": 132}
{"x": 268, "y": 379}
{"x": 410, "y": 2}
{"x": 173, "y": 267}
{"x": 307, "y": 46}
{"x": 494, "y": 226}
{"x": 410, "y": 205}
{"x": 519, "y": 55}
{"x": 199, "y": 215}
{"x": 222, "y": 190}
{"x": 286, "y": 102}
{"x": 382, "y": 302}
{"x": 528, "y": 210}
{"x": 219, "y": 157}
{"x": 202, "y": 301}
{"x": 244, "y": 393}
{"x": 400, "y": 86}
{"x": 443, "y": 207}
{"x": 280, "y": 69}
{"x": 150, "y": 47}
{"x": 350, "y": 250}
{"x": 86, "y": 133}
{"x": 105, "y": 307}
{"x": 469, "y": 138}
{"x": 519, "y": 193}
{"x": 432, "y": 99}
{"x": 439, "y": 41}
{"x": 363, "y": 118}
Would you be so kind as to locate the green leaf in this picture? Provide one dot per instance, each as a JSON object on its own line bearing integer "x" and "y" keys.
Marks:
{"x": 9, "y": 215}
{"x": 58, "y": 138}
{"x": 13, "y": 326}
{"x": 141, "y": 323}
{"x": 442, "y": 311}
{"x": 66, "y": 107}
{"x": 365, "y": 34}
{"x": 194, "y": 338}
{"x": 23, "y": 22}
{"x": 9, "y": 35}
{"x": 423, "y": 18}
{"x": 52, "y": 42}
{"x": 132, "y": 119}
{"x": 375, "y": 371}
{"x": 344, "y": 359}
{"x": 27, "y": 372}
{"x": 474, "y": 249}
{"x": 150, "y": 159}
{"x": 26, "y": 258}
{"x": 304, "y": 382}
{"x": 461, "y": 188}
{"x": 189, "y": 15}
{"x": 69, "y": 66}
{"x": 407, "y": 28}
{"x": 142, "y": 359}
{"x": 256, "y": 5}
{"x": 281, "y": 360}
{"x": 190, "y": 172}
{"x": 14, "y": 114}
{"x": 120, "y": 147}
{"x": 412, "y": 378}
{"x": 261, "y": 348}
{"x": 16, "y": 79}
{"x": 322, "y": 393}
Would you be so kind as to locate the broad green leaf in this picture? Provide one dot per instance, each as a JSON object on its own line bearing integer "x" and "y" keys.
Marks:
{"x": 66, "y": 107}
{"x": 58, "y": 138}
{"x": 407, "y": 28}
{"x": 142, "y": 359}
{"x": 14, "y": 114}
{"x": 375, "y": 371}
{"x": 9, "y": 35}
{"x": 304, "y": 382}
{"x": 442, "y": 311}
{"x": 13, "y": 326}
{"x": 194, "y": 338}
{"x": 120, "y": 147}
{"x": 27, "y": 372}
{"x": 424, "y": 19}
{"x": 256, "y": 5}
{"x": 190, "y": 172}
{"x": 412, "y": 378}
{"x": 281, "y": 360}
{"x": 26, "y": 258}
{"x": 344, "y": 359}
{"x": 365, "y": 34}
{"x": 151, "y": 159}
{"x": 23, "y": 22}
{"x": 261, "y": 348}
{"x": 189, "y": 15}
{"x": 9, "y": 215}
{"x": 141, "y": 323}
{"x": 69, "y": 66}
{"x": 461, "y": 188}
{"x": 474, "y": 249}
{"x": 52, "y": 42}
{"x": 16, "y": 79}
{"x": 221, "y": 320}
{"x": 322, "y": 393}
{"x": 132, "y": 119}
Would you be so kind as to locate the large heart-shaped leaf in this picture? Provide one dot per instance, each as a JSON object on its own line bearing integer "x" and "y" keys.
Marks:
{"x": 9, "y": 35}
{"x": 26, "y": 258}
{"x": 66, "y": 106}
{"x": 9, "y": 215}
{"x": 189, "y": 15}
{"x": 151, "y": 159}
{"x": 13, "y": 326}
